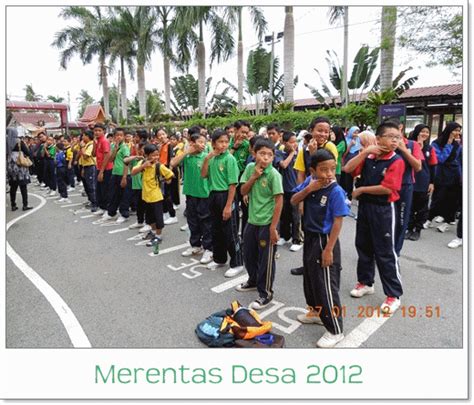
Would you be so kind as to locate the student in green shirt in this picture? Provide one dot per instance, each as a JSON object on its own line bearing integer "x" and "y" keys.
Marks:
{"x": 49, "y": 155}
{"x": 264, "y": 186}
{"x": 221, "y": 169}
{"x": 196, "y": 190}
{"x": 341, "y": 146}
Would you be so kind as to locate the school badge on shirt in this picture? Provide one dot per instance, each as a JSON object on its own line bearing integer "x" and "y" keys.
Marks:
{"x": 221, "y": 167}
{"x": 324, "y": 200}
{"x": 384, "y": 171}
{"x": 263, "y": 182}
{"x": 263, "y": 243}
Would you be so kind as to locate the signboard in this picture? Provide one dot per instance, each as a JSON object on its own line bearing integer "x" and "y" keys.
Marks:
{"x": 393, "y": 111}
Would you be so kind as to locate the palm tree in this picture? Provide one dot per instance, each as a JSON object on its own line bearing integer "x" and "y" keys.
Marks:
{"x": 234, "y": 14}
{"x": 387, "y": 46}
{"x": 55, "y": 99}
{"x": 31, "y": 95}
{"x": 89, "y": 39}
{"x": 84, "y": 100}
{"x": 222, "y": 44}
{"x": 337, "y": 13}
{"x": 289, "y": 53}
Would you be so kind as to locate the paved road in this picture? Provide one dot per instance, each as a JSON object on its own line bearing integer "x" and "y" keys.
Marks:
{"x": 123, "y": 297}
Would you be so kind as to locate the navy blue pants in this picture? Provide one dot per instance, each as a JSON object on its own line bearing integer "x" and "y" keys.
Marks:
{"x": 119, "y": 197}
{"x": 199, "y": 220}
{"x": 321, "y": 284}
{"x": 290, "y": 220}
{"x": 70, "y": 177}
{"x": 61, "y": 173}
{"x": 138, "y": 205}
{"x": 90, "y": 183}
{"x": 403, "y": 209}
{"x": 419, "y": 210}
{"x": 50, "y": 173}
{"x": 225, "y": 237}
{"x": 259, "y": 258}
{"x": 375, "y": 243}
{"x": 103, "y": 190}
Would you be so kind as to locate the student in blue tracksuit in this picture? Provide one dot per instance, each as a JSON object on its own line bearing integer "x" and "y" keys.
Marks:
{"x": 324, "y": 209}
{"x": 447, "y": 184}
{"x": 381, "y": 171}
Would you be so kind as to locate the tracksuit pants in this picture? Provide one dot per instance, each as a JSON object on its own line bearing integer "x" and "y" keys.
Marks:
{"x": 168, "y": 201}
{"x": 70, "y": 177}
{"x": 403, "y": 209}
{"x": 259, "y": 258}
{"x": 245, "y": 210}
{"x": 225, "y": 237}
{"x": 290, "y": 220}
{"x": 375, "y": 243}
{"x": 61, "y": 173}
{"x": 50, "y": 173}
{"x": 321, "y": 285}
{"x": 419, "y": 210}
{"x": 445, "y": 201}
{"x": 39, "y": 163}
{"x": 119, "y": 197}
{"x": 139, "y": 205}
{"x": 103, "y": 190}
{"x": 199, "y": 220}
{"x": 90, "y": 183}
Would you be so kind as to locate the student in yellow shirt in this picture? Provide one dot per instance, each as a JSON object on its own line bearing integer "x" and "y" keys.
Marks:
{"x": 89, "y": 172}
{"x": 69, "y": 160}
{"x": 151, "y": 191}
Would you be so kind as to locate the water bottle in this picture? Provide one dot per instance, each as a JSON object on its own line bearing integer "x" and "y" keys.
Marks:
{"x": 156, "y": 247}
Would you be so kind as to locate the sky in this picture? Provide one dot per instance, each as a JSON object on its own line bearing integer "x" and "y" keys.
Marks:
{"x": 30, "y": 58}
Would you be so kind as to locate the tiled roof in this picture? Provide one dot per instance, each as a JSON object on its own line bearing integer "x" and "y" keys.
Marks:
{"x": 34, "y": 118}
{"x": 91, "y": 112}
{"x": 446, "y": 90}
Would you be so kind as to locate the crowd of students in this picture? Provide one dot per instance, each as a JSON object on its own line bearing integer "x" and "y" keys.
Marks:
{"x": 246, "y": 194}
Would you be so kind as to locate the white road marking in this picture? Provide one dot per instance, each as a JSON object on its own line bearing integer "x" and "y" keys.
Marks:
{"x": 87, "y": 216}
{"x": 110, "y": 223}
{"x": 56, "y": 197}
{"x": 119, "y": 230}
{"x": 80, "y": 211}
{"x": 71, "y": 205}
{"x": 71, "y": 324}
{"x": 76, "y": 220}
{"x": 362, "y": 332}
{"x": 230, "y": 284}
{"x": 143, "y": 242}
{"x": 168, "y": 250}
{"x": 136, "y": 237}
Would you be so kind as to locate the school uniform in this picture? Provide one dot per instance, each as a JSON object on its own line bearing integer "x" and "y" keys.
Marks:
{"x": 423, "y": 178}
{"x": 403, "y": 204}
{"x": 196, "y": 190}
{"x": 321, "y": 285}
{"x": 259, "y": 252}
{"x": 223, "y": 172}
{"x": 61, "y": 173}
{"x": 137, "y": 200}
{"x": 120, "y": 197}
{"x": 69, "y": 171}
{"x": 290, "y": 221}
{"x": 50, "y": 168}
{"x": 166, "y": 154}
{"x": 241, "y": 154}
{"x": 88, "y": 164}
{"x": 376, "y": 223}
{"x": 102, "y": 148}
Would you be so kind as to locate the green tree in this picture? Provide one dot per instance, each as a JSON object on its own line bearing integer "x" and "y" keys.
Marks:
{"x": 55, "y": 99}
{"x": 154, "y": 107}
{"x": 90, "y": 38}
{"x": 84, "y": 100}
{"x": 31, "y": 95}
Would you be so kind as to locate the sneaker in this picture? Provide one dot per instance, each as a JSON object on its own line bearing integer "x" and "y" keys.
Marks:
{"x": 452, "y": 223}
{"x": 192, "y": 251}
{"x": 135, "y": 225}
{"x": 206, "y": 257}
{"x": 184, "y": 228}
{"x": 233, "y": 271}
{"x": 455, "y": 243}
{"x": 328, "y": 340}
{"x": 166, "y": 216}
{"x": 361, "y": 289}
{"x": 43, "y": 185}
{"x": 443, "y": 228}
{"x": 297, "y": 271}
{"x": 71, "y": 189}
{"x": 281, "y": 242}
{"x": 145, "y": 229}
{"x": 415, "y": 235}
{"x": 105, "y": 218}
{"x": 25, "y": 208}
{"x": 176, "y": 207}
{"x": 84, "y": 194}
{"x": 296, "y": 247}
{"x": 213, "y": 265}
{"x": 310, "y": 317}
{"x": 150, "y": 235}
{"x": 94, "y": 209}
{"x": 154, "y": 240}
{"x": 390, "y": 305}
{"x": 408, "y": 234}
{"x": 171, "y": 220}
{"x": 438, "y": 219}
{"x": 121, "y": 220}
{"x": 99, "y": 212}
{"x": 64, "y": 200}
{"x": 52, "y": 193}
{"x": 246, "y": 287}
{"x": 260, "y": 303}
{"x": 427, "y": 225}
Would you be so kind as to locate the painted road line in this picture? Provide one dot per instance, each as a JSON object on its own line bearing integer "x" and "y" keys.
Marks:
{"x": 362, "y": 332}
{"x": 80, "y": 211}
{"x": 136, "y": 237}
{"x": 71, "y": 324}
{"x": 87, "y": 216}
{"x": 168, "y": 250}
{"x": 119, "y": 230}
{"x": 71, "y": 205}
{"x": 110, "y": 223}
{"x": 229, "y": 284}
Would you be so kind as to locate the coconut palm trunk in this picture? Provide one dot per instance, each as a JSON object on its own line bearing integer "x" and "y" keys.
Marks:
{"x": 105, "y": 87}
{"x": 240, "y": 64}
{"x": 201, "y": 54}
{"x": 345, "y": 79}
{"x": 289, "y": 53}
{"x": 387, "y": 46}
{"x": 166, "y": 70}
{"x": 141, "y": 90}
{"x": 123, "y": 91}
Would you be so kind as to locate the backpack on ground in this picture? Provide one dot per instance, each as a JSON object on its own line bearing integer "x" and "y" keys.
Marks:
{"x": 214, "y": 331}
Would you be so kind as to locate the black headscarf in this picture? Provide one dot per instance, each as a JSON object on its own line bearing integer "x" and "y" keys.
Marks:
{"x": 416, "y": 131}
{"x": 443, "y": 137}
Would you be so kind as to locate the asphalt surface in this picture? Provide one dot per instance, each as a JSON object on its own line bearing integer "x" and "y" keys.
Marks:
{"x": 125, "y": 298}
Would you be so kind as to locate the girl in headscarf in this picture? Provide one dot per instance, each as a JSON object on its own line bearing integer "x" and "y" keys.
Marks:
{"x": 353, "y": 148}
{"x": 447, "y": 193}
{"x": 424, "y": 182}
{"x": 18, "y": 176}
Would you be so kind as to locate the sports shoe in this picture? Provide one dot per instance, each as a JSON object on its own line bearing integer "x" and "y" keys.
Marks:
{"x": 149, "y": 235}
{"x": 184, "y": 228}
{"x": 206, "y": 257}
{"x": 99, "y": 211}
{"x": 192, "y": 251}
{"x": 438, "y": 219}
{"x": 213, "y": 265}
{"x": 121, "y": 220}
{"x": 233, "y": 271}
{"x": 328, "y": 340}
{"x": 43, "y": 185}
{"x": 94, "y": 209}
{"x": 166, "y": 216}
{"x": 390, "y": 305}
{"x": 427, "y": 225}
{"x": 246, "y": 287}
{"x": 64, "y": 200}
{"x": 260, "y": 302}
{"x": 408, "y": 234}
{"x": 452, "y": 223}
{"x": 105, "y": 218}
{"x": 145, "y": 229}
{"x": 443, "y": 228}
{"x": 361, "y": 289}
{"x": 84, "y": 194}
{"x": 71, "y": 189}
{"x": 135, "y": 225}
{"x": 455, "y": 243}
{"x": 281, "y": 242}
{"x": 171, "y": 220}
{"x": 415, "y": 235}
{"x": 176, "y": 207}
{"x": 52, "y": 193}
{"x": 154, "y": 240}
{"x": 296, "y": 247}
{"x": 310, "y": 317}
{"x": 297, "y": 271}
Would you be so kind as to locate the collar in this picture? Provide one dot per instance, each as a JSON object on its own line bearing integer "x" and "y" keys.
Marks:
{"x": 268, "y": 169}
{"x": 387, "y": 156}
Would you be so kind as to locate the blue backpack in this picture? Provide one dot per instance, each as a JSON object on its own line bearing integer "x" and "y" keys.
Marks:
{"x": 215, "y": 331}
